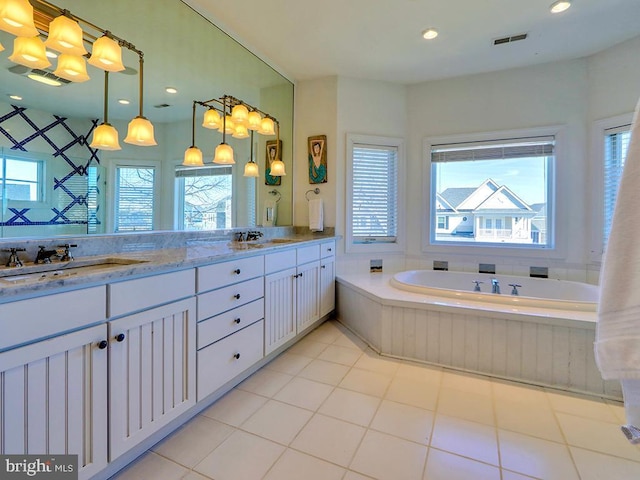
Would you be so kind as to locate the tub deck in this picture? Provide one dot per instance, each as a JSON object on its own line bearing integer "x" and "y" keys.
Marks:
{"x": 542, "y": 346}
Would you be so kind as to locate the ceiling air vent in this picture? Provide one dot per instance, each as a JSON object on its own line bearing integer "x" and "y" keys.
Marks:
{"x": 162, "y": 105}
{"x": 22, "y": 70}
{"x": 510, "y": 39}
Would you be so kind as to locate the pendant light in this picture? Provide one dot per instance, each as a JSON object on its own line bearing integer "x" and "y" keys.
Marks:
{"x": 106, "y": 54}
{"x": 140, "y": 131}
{"x": 16, "y": 17}
{"x": 212, "y": 119}
{"x": 277, "y": 166}
{"x": 251, "y": 167}
{"x": 72, "y": 67}
{"x": 240, "y": 115}
{"x": 266, "y": 127}
{"x": 1, "y": 47}
{"x": 240, "y": 131}
{"x": 30, "y": 52}
{"x": 227, "y": 126}
{"x": 105, "y": 136}
{"x": 224, "y": 152}
{"x": 65, "y": 36}
{"x": 255, "y": 120}
{"x": 193, "y": 155}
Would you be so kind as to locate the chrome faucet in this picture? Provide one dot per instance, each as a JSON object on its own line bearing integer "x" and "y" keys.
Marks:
{"x": 44, "y": 256}
{"x": 65, "y": 254}
{"x": 515, "y": 286}
{"x": 495, "y": 286}
{"x": 14, "y": 261}
{"x": 253, "y": 235}
{"x": 477, "y": 286}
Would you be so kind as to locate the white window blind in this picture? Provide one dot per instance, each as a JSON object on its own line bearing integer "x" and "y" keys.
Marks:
{"x": 616, "y": 144}
{"x": 134, "y": 199}
{"x": 374, "y": 193}
{"x": 494, "y": 150}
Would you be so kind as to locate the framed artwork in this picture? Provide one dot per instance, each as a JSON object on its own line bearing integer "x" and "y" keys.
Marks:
{"x": 270, "y": 157}
{"x": 317, "y": 159}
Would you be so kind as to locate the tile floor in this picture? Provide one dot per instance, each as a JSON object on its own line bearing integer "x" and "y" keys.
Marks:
{"x": 330, "y": 408}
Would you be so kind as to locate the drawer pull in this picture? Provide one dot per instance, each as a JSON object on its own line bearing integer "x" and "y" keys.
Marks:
{"x": 328, "y": 249}
{"x": 237, "y": 321}
{"x": 323, "y": 266}
{"x": 300, "y": 274}
{"x": 236, "y": 356}
{"x": 120, "y": 337}
{"x": 237, "y": 296}
{"x": 237, "y": 271}
{"x": 103, "y": 344}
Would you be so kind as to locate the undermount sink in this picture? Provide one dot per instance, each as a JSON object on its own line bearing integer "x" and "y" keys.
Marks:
{"x": 58, "y": 270}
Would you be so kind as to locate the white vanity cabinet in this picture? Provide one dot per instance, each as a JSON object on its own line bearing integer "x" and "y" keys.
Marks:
{"x": 327, "y": 278}
{"x": 307, "y": 287}
{"x": 230, "y": 321}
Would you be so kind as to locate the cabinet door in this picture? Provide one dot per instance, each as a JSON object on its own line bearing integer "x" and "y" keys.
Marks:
{"x": 327, "y": 286}
{"x": 151, "y": 372}
{"x": 279, "y": 309}
{"x": 307, "y": 295}
{"x": 53, "y": 399}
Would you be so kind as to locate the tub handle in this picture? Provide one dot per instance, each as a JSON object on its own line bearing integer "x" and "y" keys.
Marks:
{"x": 477, "y": 287}
{"x": 515, "y": 288}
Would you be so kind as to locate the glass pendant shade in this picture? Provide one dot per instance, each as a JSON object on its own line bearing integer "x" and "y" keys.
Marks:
{"x": 1, "y": 47}
{"x": 65, "y": 36}
{"x": 240, "y": 132}
{"x": 224, "y": 155}
{"x": 105, "y": 137}
{"x": 193, "y": 157}
{"x": 30, "y": 52}
{"x": 228, "y": 125}
{"x": 16, "y": 17}
{"x": 251, "y": 169}
{"x": 240, "y": 115}
{"x": 277, "y": 169}
{"x": 106, "y": 54}
{"x": 267, "y": 127}
{"x": 140, "y": 133}
{"x": 255, "y": 120}
{"x": 72, "y": 67}
{"x": 212, "y": 119}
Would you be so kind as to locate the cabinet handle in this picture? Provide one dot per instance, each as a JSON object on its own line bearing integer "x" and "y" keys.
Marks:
{"x": 300, "y": 274}
{"x": 237, "y": 296}
{"x": 237, "y": 321}
{"x": 103, "y": 344}
{"x": 328, "y": 249}
{"x": 120, "y": 337}
{"x": 237, "y": 271}
{"x": 236, "y": 356}
{"x": 323, "y": 266}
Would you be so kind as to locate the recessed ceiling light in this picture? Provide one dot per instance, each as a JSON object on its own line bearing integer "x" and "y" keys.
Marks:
{"x": 46, "y": 80}
{"x": 430, "y": 34}
{"x": 124, "y": 101}
{"x": 171, "y": 90}
{"x": 560, "y": 6}
{"x": 15, "y": 97}
{"x": 51, "y": 54}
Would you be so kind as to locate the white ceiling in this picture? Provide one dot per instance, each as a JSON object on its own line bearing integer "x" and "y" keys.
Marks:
{"x": 381, "y": 39}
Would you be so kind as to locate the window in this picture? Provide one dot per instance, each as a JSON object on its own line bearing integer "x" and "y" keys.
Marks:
{"x": 204, "y": 197}
{"x": 21, "y": 179}
{"x": 134, "y": 197}
{"x": 616, "y": 144}
{"x": 493, "y": 191}
{"x": 374, "y": 206}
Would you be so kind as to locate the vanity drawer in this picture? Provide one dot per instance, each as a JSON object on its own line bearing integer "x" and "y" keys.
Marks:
{"x": 274, "y": 262}
{"x": 223, "y": 325}
{"x": 327, "y": 249}
{"x": 227, "y": 273}
{"x": 228, "y": 298}
{"x": 307, "y": 254}
{"x": 221, "y": 361}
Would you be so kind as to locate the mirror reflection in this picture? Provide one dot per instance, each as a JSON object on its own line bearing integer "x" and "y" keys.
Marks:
{"x": 52, "y": 183}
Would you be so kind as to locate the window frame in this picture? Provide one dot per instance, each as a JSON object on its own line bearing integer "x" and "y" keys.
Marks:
{"x": 42, "y": 181}
{"x": 398, "y": 246}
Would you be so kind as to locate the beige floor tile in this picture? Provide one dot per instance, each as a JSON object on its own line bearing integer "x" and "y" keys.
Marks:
{"x": 288, "y": 363}
{"x": 265, "y": 382}
{"x": 373, "y": 362}
{"x": 509, "y": 475}
{"x": 447, "y": 466}
{"x": 467, "y": 405}
{"x": 194, "y": 441}
{"x": 420, "y": 373}
{"x": 328, "y": 332}
{"x": 277, "y": 421}
{"x": 235, "y": 407}
{"x": 596, "y": 466}
{"x": 618, "y": 410}
{"x": 405, "y": 421}
{"x": 465, "y": 438}
{"x": 363, "y": 381}
{"x": 349, "y": 339}
{"x": 151, "y": 465}
{"x": 527, "y": 418}
{"x": 304, "y": 393}
{"x": 342, "y": 355}
{"x": 355, "y": 476}
{"x": 389, "y": 458}
{"x": 520, "y": 392}
{"x": 582, "y": 406}
{"x": 324, "y": 372}
{"x": 194, "y": 476}
{"x": 242, "y": 455}
{"x": 329, "y": 439}
{"x": 595, "y": 435}
{"x": 294, "y": 465}
{"x": 466, "y": 382}
{"x": 411, "y": 392}
{"x": 350, "y": 406}
{"x": 535, "y": 457}
{"x": 308, "y": 348}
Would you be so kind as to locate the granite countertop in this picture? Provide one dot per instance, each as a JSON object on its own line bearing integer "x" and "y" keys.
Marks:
{"x": 33, "y": 280}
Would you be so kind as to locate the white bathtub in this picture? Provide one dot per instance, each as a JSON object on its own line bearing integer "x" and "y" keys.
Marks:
{"x": 534, "y": 292}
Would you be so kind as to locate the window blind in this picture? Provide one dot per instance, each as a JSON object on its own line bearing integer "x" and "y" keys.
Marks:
{"x": 202, "y": 171}
{"x": 374, "y": 193}
{"x": 494, "y": 149}
{"x": 616, "y": 144}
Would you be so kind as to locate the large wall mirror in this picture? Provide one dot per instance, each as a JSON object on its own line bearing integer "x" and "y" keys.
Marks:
{"x": 53, "y": 184}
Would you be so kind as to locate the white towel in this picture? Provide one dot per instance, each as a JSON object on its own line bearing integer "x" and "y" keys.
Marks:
{"x": 315, "y": 215}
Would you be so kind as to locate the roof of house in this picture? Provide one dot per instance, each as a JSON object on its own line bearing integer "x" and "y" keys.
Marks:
{"x": 455, "y": 196}
{"x": 489, "y": 196}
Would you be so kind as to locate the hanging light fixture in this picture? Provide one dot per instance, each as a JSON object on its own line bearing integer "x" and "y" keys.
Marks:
{"x": 140, "y": 131}
{"x": 227, "y": 126}
{"x": 240, "y": 115}
{"x": 106, "y": 54}
{"x": 277, "y": 166}
{"x": 212, "y": 119}
{"x": 105, "y": 136}
{"x": 65, "y": 36}
{"x": 251, "y": 167}
{"x": 240, "y": 131}
{"x": 193, "y": 155}
{"x": 266, "y": 127}
{"x": 72, "y": 67}
{"x": 255, "y": 120}
{"x": 1, "y": 47}
{"x": 16, "y": 17}
{"x": 30, "y": 52}
{"x": 224, "y": 152}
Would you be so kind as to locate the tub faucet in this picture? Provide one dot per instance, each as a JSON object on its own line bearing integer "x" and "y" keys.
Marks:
{"x": 477, "y": 287}
{"x": 515, "y": 288}
{"x": 495, "y": 286}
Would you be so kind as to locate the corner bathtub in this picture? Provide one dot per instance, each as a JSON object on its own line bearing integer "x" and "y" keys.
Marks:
{"x": 543, "y": 337}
